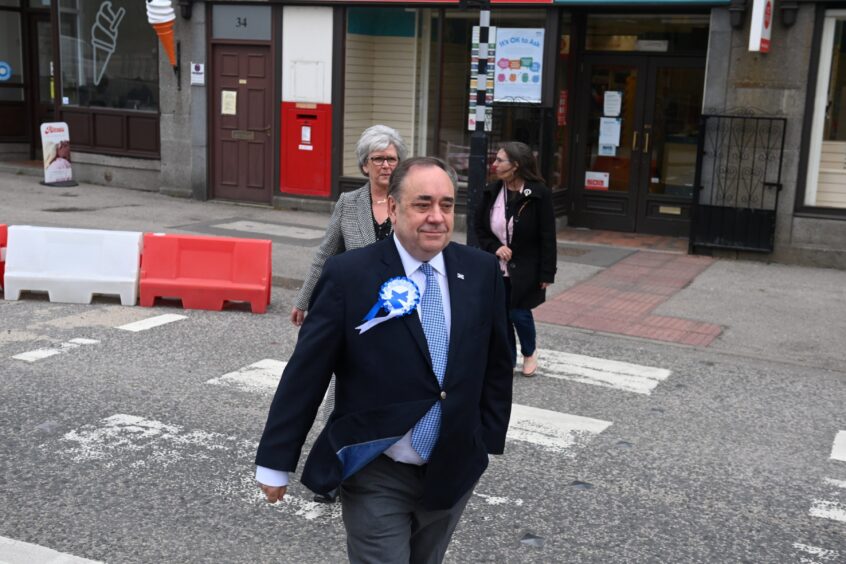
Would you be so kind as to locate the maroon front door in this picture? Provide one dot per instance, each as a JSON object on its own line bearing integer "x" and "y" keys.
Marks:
{"x": 242, "y": 119}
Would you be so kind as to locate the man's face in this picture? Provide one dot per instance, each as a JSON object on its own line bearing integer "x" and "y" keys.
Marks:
{"x": 423, "y": 216}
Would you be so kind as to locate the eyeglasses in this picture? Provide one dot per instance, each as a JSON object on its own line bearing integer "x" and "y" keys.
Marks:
{"x": 379, "y": 161}
{"x": 499, "y": 160}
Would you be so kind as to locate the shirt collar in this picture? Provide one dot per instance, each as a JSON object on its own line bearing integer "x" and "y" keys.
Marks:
{"x": 410, "y": 264}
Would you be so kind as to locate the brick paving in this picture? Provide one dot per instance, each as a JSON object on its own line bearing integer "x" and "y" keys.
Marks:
{"x": 620, "y": 299}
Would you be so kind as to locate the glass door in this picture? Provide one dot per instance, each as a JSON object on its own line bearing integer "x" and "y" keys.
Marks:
{"x": 637, "y": 143}
{"x": 668, "y": 152}
{"x": 609, "y": 142}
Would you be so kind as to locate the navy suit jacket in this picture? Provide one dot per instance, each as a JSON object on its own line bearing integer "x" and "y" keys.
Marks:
{"x": 384, "y": 377}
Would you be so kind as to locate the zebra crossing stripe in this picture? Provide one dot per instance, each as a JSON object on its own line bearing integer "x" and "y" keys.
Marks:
{"x": 838, "y": 450}
{"x": 601, "y": 372}
{"x": 816, "y": 552}
{"x": 18, "y": 552}
{"x": 151, "y": 322}
{"x": 259, "y": 377}
{"x": 828, "y": 510}
{"x": 551, "y": 430}
{"x": 40, "y": 354}
{"x": 836, "y": 483}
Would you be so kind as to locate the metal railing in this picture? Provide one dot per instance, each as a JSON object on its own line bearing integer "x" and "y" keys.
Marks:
{"x": 738, "y": 180}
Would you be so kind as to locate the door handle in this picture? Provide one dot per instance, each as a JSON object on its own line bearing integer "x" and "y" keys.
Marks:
{"x": 646, "y": 144}
{"x": 634, "y": 141}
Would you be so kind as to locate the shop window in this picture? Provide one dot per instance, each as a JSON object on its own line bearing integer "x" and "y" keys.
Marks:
{"x": 386, "y": 81}
{"x": 109, "y": 55}
{"x": 668, "y": 33}
{"x": 826, "y": 181}
{"x": 11, "y": 72}
{"x": 511, "y": 121}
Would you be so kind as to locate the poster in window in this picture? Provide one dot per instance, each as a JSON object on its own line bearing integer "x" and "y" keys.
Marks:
{"x": 519, "y": 65}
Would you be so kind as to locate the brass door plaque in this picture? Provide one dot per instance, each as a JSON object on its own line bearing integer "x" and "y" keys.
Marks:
{"x": 669, "y": 210}
{"x": 243, "y": 134}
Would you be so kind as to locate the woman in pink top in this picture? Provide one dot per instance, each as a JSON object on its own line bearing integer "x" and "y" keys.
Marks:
{"x": 516, "y": 222}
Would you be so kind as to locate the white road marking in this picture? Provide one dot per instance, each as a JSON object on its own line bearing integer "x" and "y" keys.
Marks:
{"x": 551, "y": 430}
{"x": 18, "y": 552}
{"x": 151, "y": 322}
{"x": 262, "y": 376}
{"x": 291, "y": 231}
{"x": 833, "y": 482}
{"x": 494, "y": 500}
{"x": 155, "y": 443}
{"x": 816, "y": 552}
{"x": 600, "y": 371}
{"x": 828, "y": 510}
{"x": 40, "y": 354}
{"x": 838, "y": 451}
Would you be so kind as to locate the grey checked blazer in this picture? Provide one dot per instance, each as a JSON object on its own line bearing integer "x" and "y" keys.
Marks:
{"x": 350, "y": 227}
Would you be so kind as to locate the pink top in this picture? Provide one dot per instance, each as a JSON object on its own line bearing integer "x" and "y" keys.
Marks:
{"x": 498, "y": 225}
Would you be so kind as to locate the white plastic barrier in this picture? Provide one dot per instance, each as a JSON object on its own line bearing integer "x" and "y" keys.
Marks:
{"x": 72, "y": 265}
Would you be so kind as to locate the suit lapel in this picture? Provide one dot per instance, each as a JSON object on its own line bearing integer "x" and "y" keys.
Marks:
{"x": 364, "y": 216}
{"x": 391, "y": 267}
{"x": 459, "y": 294}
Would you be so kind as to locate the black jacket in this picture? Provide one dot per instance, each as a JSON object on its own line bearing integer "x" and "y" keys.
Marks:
{"x": 384, "y": 376}
{"x": 533, "y": 245}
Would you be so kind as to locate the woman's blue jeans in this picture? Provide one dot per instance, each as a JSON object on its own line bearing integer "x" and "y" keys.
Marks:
{"x": 523, "y": 322}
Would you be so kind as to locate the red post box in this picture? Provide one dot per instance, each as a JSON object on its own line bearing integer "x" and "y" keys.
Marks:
{"x": 305, "y": 160}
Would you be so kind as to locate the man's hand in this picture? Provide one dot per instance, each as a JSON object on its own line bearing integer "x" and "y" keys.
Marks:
{"x": 297, "y": 316}
{"x": 273, "y": 494}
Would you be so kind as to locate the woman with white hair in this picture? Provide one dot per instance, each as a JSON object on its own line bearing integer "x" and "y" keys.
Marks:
{"x": 360, "y": 218}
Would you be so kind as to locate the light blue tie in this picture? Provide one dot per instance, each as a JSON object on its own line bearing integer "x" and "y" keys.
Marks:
{"x": 426, "y": 431}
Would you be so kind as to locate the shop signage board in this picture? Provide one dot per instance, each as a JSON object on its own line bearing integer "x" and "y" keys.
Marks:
{"x": 55, "y": 145}
{"x": 519, "y": 65}
{"x": 761, "y": 28}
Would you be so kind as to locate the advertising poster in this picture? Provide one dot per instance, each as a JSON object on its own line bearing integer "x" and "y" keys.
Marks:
{"x": 519, "y": 65}
{"x": 55, "y": 145}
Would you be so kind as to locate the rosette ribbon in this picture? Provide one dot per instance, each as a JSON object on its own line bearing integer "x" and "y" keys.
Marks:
{"x": 398, "y": 296}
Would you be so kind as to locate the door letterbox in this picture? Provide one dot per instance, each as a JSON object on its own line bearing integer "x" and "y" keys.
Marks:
{"x": 305, "y": 160}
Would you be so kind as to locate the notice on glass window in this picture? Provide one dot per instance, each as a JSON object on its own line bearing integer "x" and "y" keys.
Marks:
{"x": 607, "y": 151}
{"x": 612, "y": 103}
{"x": 597, "y": 180}
{"x": 229, "y": 102}
{"x": 519, "y": 65}
{"x": 609, "y": 131}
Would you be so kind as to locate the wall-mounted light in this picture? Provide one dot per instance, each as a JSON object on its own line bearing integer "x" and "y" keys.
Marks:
{"x": 185, "y": 8}
{"x": 789, "y": 10}
{"x": 737, "y": 13}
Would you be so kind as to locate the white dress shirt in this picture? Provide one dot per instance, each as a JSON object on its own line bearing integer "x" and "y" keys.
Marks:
{"x": 401, "y": 451}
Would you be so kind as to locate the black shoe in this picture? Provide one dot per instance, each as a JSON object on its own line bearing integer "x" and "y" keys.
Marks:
{"x": 330, "y": 497}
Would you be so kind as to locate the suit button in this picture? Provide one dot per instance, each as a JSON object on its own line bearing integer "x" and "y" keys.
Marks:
{"x": 443, "y": 395}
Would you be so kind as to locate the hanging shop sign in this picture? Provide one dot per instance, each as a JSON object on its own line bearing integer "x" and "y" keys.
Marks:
{"x": 762, "y": 22}
{"x": 519, "y": 65}
{"x": 55, "y": 145}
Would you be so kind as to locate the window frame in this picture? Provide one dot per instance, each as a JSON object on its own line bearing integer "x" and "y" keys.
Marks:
{"x": 813, "y": 124}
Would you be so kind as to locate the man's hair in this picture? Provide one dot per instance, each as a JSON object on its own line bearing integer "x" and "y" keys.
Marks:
{"x": 398, "y": 176}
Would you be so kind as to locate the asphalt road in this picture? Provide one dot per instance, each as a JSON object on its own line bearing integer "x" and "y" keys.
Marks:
{"x": 137, "y": 446}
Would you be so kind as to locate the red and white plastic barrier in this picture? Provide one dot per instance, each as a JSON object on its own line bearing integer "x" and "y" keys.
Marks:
{"x": 3, "y": 236}
{"x": 206, "y": 272}
{"x": 72, "y": 265}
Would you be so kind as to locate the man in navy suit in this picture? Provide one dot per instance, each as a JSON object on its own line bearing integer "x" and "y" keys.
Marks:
{"x": 423, "y": 381}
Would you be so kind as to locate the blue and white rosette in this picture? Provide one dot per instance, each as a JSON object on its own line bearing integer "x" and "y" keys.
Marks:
{"x": 398, "y": 296}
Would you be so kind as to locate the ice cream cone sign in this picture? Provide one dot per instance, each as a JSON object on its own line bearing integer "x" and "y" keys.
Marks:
{"x": 161, "y": 16}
